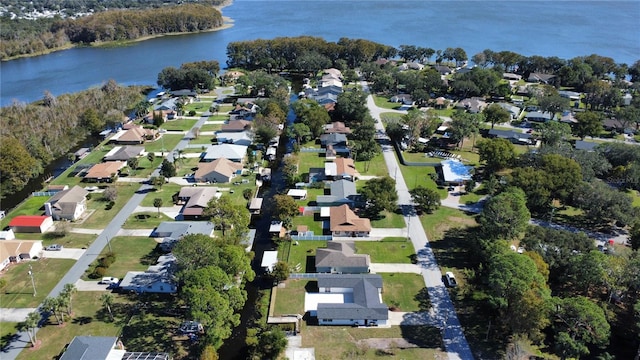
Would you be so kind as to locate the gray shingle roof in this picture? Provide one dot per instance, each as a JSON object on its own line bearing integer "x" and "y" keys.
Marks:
{"x": 177, "y": 229}
{"x": 366, "y": 299}
{"x": 341, "y": 254}
{"x": 89, "y": 348}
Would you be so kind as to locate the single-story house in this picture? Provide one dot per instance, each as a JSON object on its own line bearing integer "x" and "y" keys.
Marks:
{"x": 412, "y": 65}
{"x": 235, "y": 137}
{"x": 443, "y": 70}
{"x": 617, "y": 125}
{"x": 135, "y": 135}
{"x": 105, "y": 348}
{"x": 173, "y": 231}
{"x": 81, "y": 153}
{"x": 571, "y": 95}
{"x": 340, "y": 257}
{"x": 473, "y": 105}
{"x": 568, "y": 117}
{"x": 236, "y": 126}
{"x": 158, "y": 278}
{"x": 277, "y": 229}
{"x": 195, "y": 200}
{"x": 348, "y": 299}
{"x": 341, "y": 168}
{"x": 541, "y": 78}
{"x": 124, "y": 153}
{"x": 31, "y": 223}
{"x": 455, "y": 172}
{"x": 233, "y": 152}
{"x": 184, "y": 92}
{"x": 104, "y": 171}
{"x": 15, "y": 251}
{"x": 511, "y": 76}
{"x": 342, "y": 192}
{"x": 326, "y": 98}
{"x": 337, "y": 127}
{"x": 329, "y": 81}
{"x": 329, "y": 89}
{"x": 538, "y": 116}
{"x": 67, "y": 204}
{"x": 586, "y": 145}
{"x": 513, "y": 110}
{"x": 297, "y": 194}
{"x": 333, "y": 72}
{"x": 220, "y": 170}
{"x": 343, "y": 222}
{"x": 405, "y": 99}
{"x": 515, "y": 137}
{"x": 269, "y": 260}
{"x": 255, "y": 205}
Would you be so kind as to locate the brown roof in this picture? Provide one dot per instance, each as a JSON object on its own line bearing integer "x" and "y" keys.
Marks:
{"x": 198, "y": 196}
{"x": 14, "y": 248}
{"x": 337, "y": 127}
{"x": 68, "y": 199}
{"x": 346, "y": 166}
{"x": 236, "y": 125}
{"x": 104, "y": 170}
{"x": 221, "y": 166}
{"x": 344, "y": 219}
{"x": 135, "y": 134}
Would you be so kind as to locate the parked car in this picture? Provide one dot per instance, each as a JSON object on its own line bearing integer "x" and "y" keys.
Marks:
{"x": 109, "y": 281}
{"x": 191, "y": 327}
{"x": 451, "y": 279}
{"x": 54, "y": 247}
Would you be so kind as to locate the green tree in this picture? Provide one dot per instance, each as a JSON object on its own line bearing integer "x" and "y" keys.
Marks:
{"x": 380, "y": 194}
{"x": 536, "y": 184}
{"x": 602, "y": 203}
{"x": 564, "y": 175}
{"x": 157, "y": 203}
{"x": 300, "y": 132}
{"x": 67, "y": 292}
{"x": 263, "y": 133}
{"x": 557, "y": 247}
{"x": 151, "y": 157}
{"x": 272, "y": 343}
{"x": 578, "y": 323}
{"x": 285, "y": 209}
{"x": 496, "y": 114}
{"x": 196, "y": 251}
{"x": 226, "y": 216}
{"x": 505, "y": 215}
{"x": 496, "y": 153}
{"x": 92, "y": 121}
{"x": 312, "y": 114}
{"x": 280, "y": 271}
{"x": 157, "y": 181}
{"x": 17, "y": 166}
{"x": 588, "y": 271}
{"x": 427, "y": 199}
{"x": 247, "y": 194}
{"x": 110, "y": 193}
{"x": 553, "y": 103}
{"x": 463, "y": 125}
{"x": 30, "y": 325}
{"x": 589, "y": 124}
{"x": 133, "y": 163}
{"x": 167, "y": 169}
{"x": 554, "y": 132}
{"x": 107, "y": 302}
{"x": 52, "y": 305}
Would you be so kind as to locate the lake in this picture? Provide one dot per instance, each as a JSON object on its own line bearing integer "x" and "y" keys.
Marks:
{"x": 549, "y": 28}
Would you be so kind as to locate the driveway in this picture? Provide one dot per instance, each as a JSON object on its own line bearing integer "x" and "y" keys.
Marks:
{"x": 395, "y": 268}
{"x": 14, "y": 315}
{"x": 82, "y": 285}
{"x": 135, "y": 232}
{"x": 295, "y": 351}
{"x": 412, "y": 318}
{"x": 66, "y": 253}
{"x": 388, "y": 232}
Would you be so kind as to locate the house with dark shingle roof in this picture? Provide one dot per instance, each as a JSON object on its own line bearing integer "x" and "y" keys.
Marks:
{"x": 356, "y": 299}
{"x": 586, "y": 145}
{"x": 541, "y": 78}
{"x": 513, "y": 136}
{"x": 334, "y": 139}
{"x": 123, "y": 153}
{"x": 195, "y": 200}
{"x": 105, "y": 348}
{"x": 342, "y": 192}
{"x": 339, "y": 257}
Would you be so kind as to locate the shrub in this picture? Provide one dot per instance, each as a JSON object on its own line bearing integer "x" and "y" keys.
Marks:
{"x": 192, "y": 113}
{"x": 98, "y": 272}
{"x": 105, "y": 261}
{"x": 88, "y": 196}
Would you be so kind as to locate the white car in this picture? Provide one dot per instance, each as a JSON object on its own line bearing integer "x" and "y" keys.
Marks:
{"x": 109, "y": 281}
{"x": 451, "y": 279}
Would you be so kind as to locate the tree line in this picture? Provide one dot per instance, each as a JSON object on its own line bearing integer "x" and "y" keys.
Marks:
{"x": 33, "y": 135}
{"x": 24, "y": 37}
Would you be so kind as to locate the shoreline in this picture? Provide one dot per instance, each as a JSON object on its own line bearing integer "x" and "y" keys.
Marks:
{"x": 227, "y": 23}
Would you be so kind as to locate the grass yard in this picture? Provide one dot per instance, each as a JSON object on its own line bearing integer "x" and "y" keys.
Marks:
{"x": 101, "y": 217}
{"x": 145, "y": 167}
{"x": 210, "y": 127}
{"x": 387, "y": 252}
{"x": 420, "y": 175}
{"x": 333, "y": 342}
{"x": 390, "y": 115}
{"x": 309, "y": 221}
{"x": 179, "y": 125}
{"x": 443, "y": 219}
{"x": 374, "y": 167}
{"x": 383, "y": 102}
{"x": 145, "y": 220}
{"x": 204, "y": 140}
{"x": 166, "y": 193}
{"x": 168, "y": 141}
{"x": 199, "y": 106}
{"x": 290, "y": 299}
{"x": 71, "y": 240}
{"x": 219, "y": 117}
{"x": 307, "y": 160}
{"x": 472, "y": 197}
{"x": 405, "y": 292}
{"x": 186, "y": 166}
{"x": 88, "y": 319}
{"x": 46, "y": 273}
{"x": 7, "y": 332}
{"x": 305, "y": 254}
{"x": 132, "y": 254}
{"x": 389, "y": 220}
{"x": 33, "y": 205}
{"x": 312, "y": 196}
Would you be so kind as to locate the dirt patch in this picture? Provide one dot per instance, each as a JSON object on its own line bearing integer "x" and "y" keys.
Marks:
{"x": 386, "y": 343}
{"x": 462, "y": 220}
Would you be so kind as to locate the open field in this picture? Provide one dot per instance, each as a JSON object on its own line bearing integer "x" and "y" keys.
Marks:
{"x": 101, "y": 217}
{"x": 19, "y": 291}
{"x": 166, "y": 193}
{"x": 389, "y": 220}
{"x": 179, "y": 124}
{"x": 145, "y": 220}
{"x": 166, "y": 141}
{"x": 374, "y": 167}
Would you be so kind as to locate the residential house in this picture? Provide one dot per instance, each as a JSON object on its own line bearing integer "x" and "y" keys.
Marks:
{"x": 243, "y": 138}
{"x": 297, "y": 194}
{"x": 568, "y": 117}
{"x": 571, "y": 95}
{"x": 134, "y": 135}
{"x": 333, "y": 72}
{"x": 348, "y": 299}
{"x": 269, "y": 260}
{"x": 339, "y": 257}
{"x": 325, "y": 99}
{"x": 411, "y": 66}
{"x": 158, "y": 279}
{"x": 513, "y": 110}
{"x": 81, "y": 153}
{"x": 104, "y": 172}
{"x": 236, "y": 126}
{"x": 173, "y": 231}
{"x": 511, "y": 76}
{"x": 15, "y": 251}
{"x": 473, "y": 105}
{"x": 585, "y": 145}
{"x": 405, "y": 99}
{"x": 105, "y": 348}
{"x": 195, "y": 200}
{"x": 218, "y": 171}
{"x": 541, "y": 78}
{"x": 443, "y": 70}
{"x": 233, "y": 152}
{"x": 277, "y": 229}
{"x": 7, "y": 234}
{"x": 343, "y": 222}
{"x": 616, "y": 125}
{"x": 341, "y": 168}
{"x": 337, "y": 127}
{"x": 342, "y": 192}
{"x": 184, "y": 92}
{"x": 67, "y": 204}
{"x": 334, "y": 139}
{"x": 330, "y": 153}
{"x": 539, "y": 116}
{"x": 124, "y": 153}
{"x": 515, "y": 137}
{"x": 31, "y": 223}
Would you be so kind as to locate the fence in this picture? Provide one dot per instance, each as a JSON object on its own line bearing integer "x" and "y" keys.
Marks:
{"x": 316, "y": 150}
{"x": 311, "y": 237}
{"x": 303, "y": 276}
{"x": 43, "y": 193}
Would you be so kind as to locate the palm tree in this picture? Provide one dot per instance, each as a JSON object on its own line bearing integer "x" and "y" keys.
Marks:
{"x": 30, "y": 325}
{"x": 52, "y": 305}
{"x": 107, "y": 301}
{"x": 63, "y": 303}
{"x": 67, "y": 292}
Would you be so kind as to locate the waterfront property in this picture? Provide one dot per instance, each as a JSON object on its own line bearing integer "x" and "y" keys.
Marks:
{"x": 67, "y": 204}
{"x": 104, "y": 348}
{"x": 158, "y": 278}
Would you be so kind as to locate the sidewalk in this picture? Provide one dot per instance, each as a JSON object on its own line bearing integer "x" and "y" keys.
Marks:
{"x": 15, "y": 314}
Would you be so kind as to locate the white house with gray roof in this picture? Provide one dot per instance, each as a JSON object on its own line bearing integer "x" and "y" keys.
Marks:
{"x": 158, "y": 278}
{"x": 68, "y": 204}
{"x": 233, "y": 152}
{"x": 105, "y": 348}
{"x": 339, "y": 257}
{"x": 351, "y": 299}
{"x": 342, "y": 192}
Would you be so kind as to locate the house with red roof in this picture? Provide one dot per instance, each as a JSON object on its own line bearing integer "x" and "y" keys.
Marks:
{"x": 31, "y": 223}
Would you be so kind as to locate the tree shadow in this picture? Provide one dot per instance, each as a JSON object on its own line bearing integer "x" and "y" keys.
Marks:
{"x": 82, "y": 320}
{"x": 423, "y": 299}
{"x": 423, "y": 336}
{"x": 311, "y": 264}
{"x": 152, "y": 257}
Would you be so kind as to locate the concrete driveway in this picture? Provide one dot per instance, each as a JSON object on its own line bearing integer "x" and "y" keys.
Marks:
{"x": 82, "y": 285}
{"x": 395, "y": 268}
{"x": 66, "y": 253}
{"x": 411, "y": 318}
{"x": 14, "y": 315}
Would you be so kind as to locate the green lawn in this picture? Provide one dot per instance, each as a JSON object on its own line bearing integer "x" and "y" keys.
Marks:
{"x": 179, "y": 124}
{"x": 387, "y": 251}
{"x": 94, "y": 157}
{"x": 304, "y": 254}
{"x": 19, "y": 291}
{"x": 210, "y": 127}
{"x": 420, "y": 175}
{"x": 71, "y": 240}
{"x": 145, "y": 220}
{"x": 307, "y": 160}
{"x": 389, "y": 220}
{"x": 132, "y": 254}
{"x": 204, "y": 140}
{"x": 166, "y": 193}
{"x": 219, "y": 117}
{"x": 441, "y": 220}
{"x": 89, "y": 318}
{"x": 34, "y": 205}
{"x": 7, "y": 331}
{"x": 308, "y": 220}
{"x": 312, "y": 196}
{"x": 186, "y": 166}
{"x": 290, "y": 299}
{"x": 383, "y": 102}
{"x": 168, "y": 141}
{"x": 198, "y": 106}
{"x": 374, "y": 167}
{"x": 101, "y": 217}
{"x": 403, "y": 291}
{"x": 145, "y": 167}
